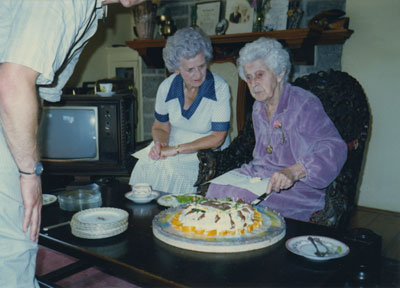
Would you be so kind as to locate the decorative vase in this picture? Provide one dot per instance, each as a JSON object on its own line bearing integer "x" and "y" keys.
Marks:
{"x": 144, "y": 15}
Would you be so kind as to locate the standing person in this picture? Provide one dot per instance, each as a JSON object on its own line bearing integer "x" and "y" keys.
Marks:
{"x": 192, "y": 112}
{"x": 40, "y": 43}
{"x": 297, "y": 145}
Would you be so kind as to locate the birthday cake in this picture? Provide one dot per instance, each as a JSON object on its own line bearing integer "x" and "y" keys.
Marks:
{"x": 217, "y": 217}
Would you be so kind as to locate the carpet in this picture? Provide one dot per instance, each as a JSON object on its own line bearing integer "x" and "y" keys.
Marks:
{"x": 48, "y": 260}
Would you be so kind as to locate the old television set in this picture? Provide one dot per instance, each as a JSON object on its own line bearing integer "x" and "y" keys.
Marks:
{"x": 88, "y": 135}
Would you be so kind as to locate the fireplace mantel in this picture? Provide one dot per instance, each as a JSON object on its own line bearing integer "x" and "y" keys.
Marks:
{"x": 300, "y": 41}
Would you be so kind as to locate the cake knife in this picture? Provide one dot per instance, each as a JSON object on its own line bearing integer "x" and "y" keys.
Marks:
{"x": 56, "y": 226}
{"x": 261, "y": 198}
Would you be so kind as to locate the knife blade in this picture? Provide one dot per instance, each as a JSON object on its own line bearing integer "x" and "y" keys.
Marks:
{"x": 56, "y": 226}
{"x": 261, "y": 198}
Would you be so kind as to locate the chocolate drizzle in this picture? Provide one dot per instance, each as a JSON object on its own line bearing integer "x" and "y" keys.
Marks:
{"x": 232, "y": 223}
{"x": 241, "y": 216}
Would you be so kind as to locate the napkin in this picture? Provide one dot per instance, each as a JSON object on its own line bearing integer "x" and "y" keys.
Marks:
{"x": 143, "y": 154}
{"x": 256, "y": 185}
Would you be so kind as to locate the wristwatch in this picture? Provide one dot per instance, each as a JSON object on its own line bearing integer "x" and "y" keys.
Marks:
{"x": 37, "y": 170}
{"x": 177, "y": 147}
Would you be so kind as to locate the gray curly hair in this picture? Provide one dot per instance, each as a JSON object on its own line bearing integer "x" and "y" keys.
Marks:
{"x": 186, "y": 43}
{"x": 268, "y": 50}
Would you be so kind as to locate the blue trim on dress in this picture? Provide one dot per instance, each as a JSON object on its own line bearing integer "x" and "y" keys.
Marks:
{"x": 206, "y": 90}
{"x": 220, "y": 126}
{"x": 161, "y": 118}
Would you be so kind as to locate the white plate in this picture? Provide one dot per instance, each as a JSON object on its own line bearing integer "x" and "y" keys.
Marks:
{"x": 303, "y": 247}
{"x": 99, "y": 216}
{"x": 174, "y": 200}
{"x": 106, "y": 94}
{"x": 141, "y": 200}
{"x": 99, "y": 233}
{"x": 48, "y": 199}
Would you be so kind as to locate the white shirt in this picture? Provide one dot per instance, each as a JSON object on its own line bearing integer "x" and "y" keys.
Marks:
{"x": 47, "y": 36}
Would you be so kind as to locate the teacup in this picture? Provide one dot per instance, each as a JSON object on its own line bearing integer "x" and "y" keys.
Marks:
{"x": 105, "y": 87}
{"x": 141, "y": 190}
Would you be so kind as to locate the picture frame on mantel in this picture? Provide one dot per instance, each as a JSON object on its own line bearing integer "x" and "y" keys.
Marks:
{"x": 207, "y": 16}
{"x": 276, "y": 15}
{"x": 240, "y": 16}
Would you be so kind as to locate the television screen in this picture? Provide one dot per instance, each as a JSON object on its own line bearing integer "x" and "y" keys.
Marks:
{"x": 69, "y": 133}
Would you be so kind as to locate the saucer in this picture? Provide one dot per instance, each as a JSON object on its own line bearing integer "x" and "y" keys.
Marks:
{"x": 106, "y": 94}
{"x": 141, "y": 200}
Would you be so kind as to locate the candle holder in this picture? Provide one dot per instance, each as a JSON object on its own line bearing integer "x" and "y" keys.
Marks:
{"x": 167, "y": 26}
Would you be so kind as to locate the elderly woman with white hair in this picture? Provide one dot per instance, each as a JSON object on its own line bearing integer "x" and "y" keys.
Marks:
{"x": 192, "y": 112}
{"x": 297, "y": 145}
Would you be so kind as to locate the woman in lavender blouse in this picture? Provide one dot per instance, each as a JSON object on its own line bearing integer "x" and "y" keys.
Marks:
{"x": 297, "y": 145}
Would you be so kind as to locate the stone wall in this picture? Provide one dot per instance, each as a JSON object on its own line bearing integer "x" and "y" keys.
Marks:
{"x": 151, "y": 79}
{"x": 326, "y": 56}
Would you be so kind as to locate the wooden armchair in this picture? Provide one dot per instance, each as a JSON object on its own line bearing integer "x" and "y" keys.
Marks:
{"x": 345, "y": 103}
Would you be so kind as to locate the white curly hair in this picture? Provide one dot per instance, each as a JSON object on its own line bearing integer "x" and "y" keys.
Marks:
{"x": 268, "y": 50}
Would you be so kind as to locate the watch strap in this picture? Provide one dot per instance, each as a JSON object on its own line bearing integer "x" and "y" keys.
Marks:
{"x": 26, "y": 173}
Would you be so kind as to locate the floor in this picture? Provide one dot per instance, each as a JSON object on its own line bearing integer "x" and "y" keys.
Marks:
{"x": 383, "y": 223}
{"x": 49, "y": 260}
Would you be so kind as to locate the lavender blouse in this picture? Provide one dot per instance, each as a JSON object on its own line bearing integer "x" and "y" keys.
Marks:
{"x": 303, "y": 133}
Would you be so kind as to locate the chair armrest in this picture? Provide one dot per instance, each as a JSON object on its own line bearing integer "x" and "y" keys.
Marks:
{"x": 215, "y": 163}
{"x": 207, "y": 166}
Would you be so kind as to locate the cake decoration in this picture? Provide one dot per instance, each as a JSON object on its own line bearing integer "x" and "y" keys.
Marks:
{"x": 217, "y": 217}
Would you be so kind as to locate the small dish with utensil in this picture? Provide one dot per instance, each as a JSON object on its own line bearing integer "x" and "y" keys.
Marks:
{"x": 318, "y": 248}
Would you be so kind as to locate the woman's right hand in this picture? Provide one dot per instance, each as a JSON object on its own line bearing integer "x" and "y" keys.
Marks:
{"x": 155, "y": 152}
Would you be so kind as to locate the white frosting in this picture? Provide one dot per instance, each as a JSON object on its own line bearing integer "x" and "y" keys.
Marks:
{"x": 219, "y": 215}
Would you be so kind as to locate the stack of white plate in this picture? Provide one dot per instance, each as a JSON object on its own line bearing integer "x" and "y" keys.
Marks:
{"x": 99, "y": 223}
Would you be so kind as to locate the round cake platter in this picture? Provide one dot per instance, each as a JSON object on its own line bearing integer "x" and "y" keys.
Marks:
{"x": 271, "y": 232}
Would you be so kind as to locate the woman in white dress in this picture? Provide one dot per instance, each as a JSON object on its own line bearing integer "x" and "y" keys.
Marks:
{"x": 192, "y": 112}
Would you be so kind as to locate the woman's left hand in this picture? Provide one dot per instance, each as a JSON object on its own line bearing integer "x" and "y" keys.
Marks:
{"x": 168, "y": 151}
{"x": 285, "y": 178}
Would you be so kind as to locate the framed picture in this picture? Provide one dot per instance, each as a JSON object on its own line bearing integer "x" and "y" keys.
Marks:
{"x": 123, "y": 62}
{"x": 125, "y": 73}
{"x": 239, "y": 15}
{"x": 276, "y": 15}
{"x": 207, "y": 16}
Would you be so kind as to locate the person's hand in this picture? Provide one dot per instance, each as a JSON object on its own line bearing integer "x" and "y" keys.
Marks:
{"x": 31, "y": 191}
{"x": 168, "y": 152}
{"x": 125, "y": 3}
{"x": 285, "y": 178}
{"x": 155, "y": 152}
